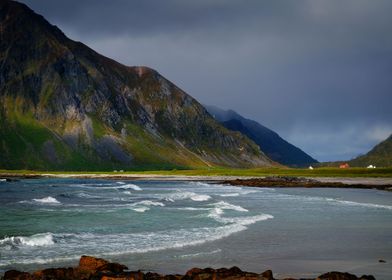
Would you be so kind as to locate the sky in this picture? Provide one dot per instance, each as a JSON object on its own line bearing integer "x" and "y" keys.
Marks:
{"x": 318, "y": 72}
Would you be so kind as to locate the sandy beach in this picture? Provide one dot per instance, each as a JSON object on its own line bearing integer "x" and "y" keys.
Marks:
{"x": 376, "y": 181}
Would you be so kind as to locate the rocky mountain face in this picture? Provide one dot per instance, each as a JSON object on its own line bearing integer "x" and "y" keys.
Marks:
{"x": 64, "y": 106}
{"x": 274, "y": 146}
{"x": 380, "y": 155}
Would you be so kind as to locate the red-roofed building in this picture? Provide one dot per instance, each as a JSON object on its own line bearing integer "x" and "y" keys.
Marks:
{"x": 344, "y": 165}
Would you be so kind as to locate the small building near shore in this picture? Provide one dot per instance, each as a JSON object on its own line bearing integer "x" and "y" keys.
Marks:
{"x": 371, "y": 166}
{"x": 344, "y": 165}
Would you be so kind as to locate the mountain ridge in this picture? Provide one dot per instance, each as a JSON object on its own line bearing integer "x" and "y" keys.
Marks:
{"x": 380, "y": 155}
{"x": 274, "y": 146}
{"x": 64, "y": 106}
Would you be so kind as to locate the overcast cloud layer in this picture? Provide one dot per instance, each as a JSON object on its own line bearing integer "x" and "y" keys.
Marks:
{"x": 317, "y": 72}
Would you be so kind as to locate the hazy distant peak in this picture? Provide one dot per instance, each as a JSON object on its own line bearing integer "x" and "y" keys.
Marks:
{"x": 268, "y": 140}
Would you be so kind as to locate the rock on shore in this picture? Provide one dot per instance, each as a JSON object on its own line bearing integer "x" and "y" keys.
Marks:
{"x": 91, "y": 268}
{"x": 299, "y": 182}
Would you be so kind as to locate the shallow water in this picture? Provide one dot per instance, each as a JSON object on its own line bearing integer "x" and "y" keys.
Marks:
{"x": 173, "y": 226}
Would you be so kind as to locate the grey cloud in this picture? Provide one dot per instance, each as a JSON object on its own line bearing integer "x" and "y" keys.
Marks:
{"x": 311, "y": 70}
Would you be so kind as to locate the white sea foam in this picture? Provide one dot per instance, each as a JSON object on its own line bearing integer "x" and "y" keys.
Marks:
{"x": 193, "y": 209}
{"x": 131, "y": 186}
{"x": 200, "y": 197}
{"x": 41, "y": 239}
{"x": 37, "y": 260}
{"x": 140, "y": 209}
{"x": 70, "y": 246}
{"x": 215, "y": 213}
{"x": 127, "y": 192}
{"x": 209, "y": 185}
{"x": 47, "y": 200}
{"x": 229, "y": 206}
{"x": 86, "y": 195}
{"x": 118, "y": 185}
{"x": 143, "y": 206}
{"x": 150, "y": 203}
{"x": 333, "y": 201}
{"x": 250, "y": 191}
{"x": 229, "y": 194}
{"x": 199, "y": 184}
{"x": 353, "y": 203}
{"x": 187, "y": 195}
{"x": 245, "y": 221}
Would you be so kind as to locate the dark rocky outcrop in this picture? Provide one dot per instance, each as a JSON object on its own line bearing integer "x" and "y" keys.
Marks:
{"x": 99, "y": 269}
{"x": 343, "y": 276}
{"x": 299, "y": 182}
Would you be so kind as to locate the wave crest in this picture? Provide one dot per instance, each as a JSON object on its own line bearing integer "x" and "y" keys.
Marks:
{"x": 41, "y": 239}
{"x": 47, "y": 200}
{"x": 187, "y": 195}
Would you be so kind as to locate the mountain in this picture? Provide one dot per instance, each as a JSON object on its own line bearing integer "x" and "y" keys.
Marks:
{"x": 65, "y": 107}
{"x": 380, "y": 155}
{"x": 274, "y": 146}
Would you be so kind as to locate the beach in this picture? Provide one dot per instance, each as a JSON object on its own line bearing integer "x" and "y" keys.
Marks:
{"x": 162, "y": 177}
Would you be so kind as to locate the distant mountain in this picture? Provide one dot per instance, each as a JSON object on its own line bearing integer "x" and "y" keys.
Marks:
{"x": 274, "y": 146}
{"x": 380, "y": 155}
{"x": 64, "y": 106}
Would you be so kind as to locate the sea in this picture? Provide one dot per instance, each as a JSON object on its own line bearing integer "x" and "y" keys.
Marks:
{"x": 172, "y": 226}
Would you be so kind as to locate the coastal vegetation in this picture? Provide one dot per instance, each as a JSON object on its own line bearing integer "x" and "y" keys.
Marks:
{"x": 250, "y": 172}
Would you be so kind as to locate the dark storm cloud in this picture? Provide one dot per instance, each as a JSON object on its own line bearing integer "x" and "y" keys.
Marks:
{"x": 318, "y": 72}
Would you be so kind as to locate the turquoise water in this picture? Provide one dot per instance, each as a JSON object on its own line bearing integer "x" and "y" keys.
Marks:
{"x": 172, "y": 226}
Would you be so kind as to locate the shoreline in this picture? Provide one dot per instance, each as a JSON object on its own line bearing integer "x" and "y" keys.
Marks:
{"x": 383, "y": 183}
{"x": 99, "y": 269}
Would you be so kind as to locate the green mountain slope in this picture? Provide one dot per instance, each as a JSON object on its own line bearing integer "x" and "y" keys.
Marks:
{"x": 380, "y": 155}
{"x": 64, "y": 106}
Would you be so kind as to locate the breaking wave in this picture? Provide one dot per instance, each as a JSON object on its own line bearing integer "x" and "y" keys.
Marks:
{"x": 187, "y": 195}
{"x": 229, "y": 194}
{"x": 149, "y": 203}
{"x": 182, "y": 195}
{"x": 71, "y": 246}
{"x": 228, "y": 206}
{"x": 41, "y": 239}
{"x": 118, "y": 185}
{"x": 47, "y": 200}
{"x": 333, "y": 201}
{"x": 353, "y": 203}
{"x": 131, "y": 186}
